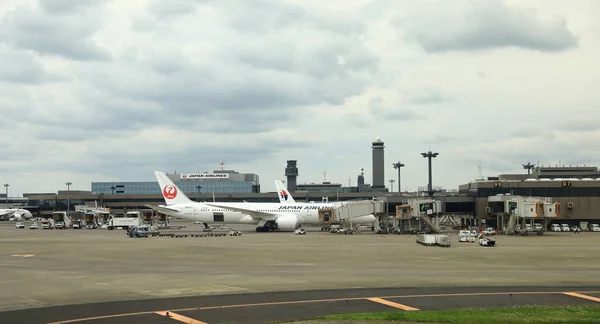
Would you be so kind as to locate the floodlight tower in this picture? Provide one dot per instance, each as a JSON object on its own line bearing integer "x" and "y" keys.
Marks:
{"x": 69, "y": 183}
{"x": 6, "y": 185}
{"x": 528, "y": 167}
{"x": 398, "y": 165}
{"x": 430, "y": 155}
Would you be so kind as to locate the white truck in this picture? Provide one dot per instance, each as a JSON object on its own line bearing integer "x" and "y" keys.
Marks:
{"x": 594, "y": 228}
{"x": 102, "y": 219}
{"x": 147, "y": 216}
{"x": 61, "y": 220}
{"x": 124, "y": 221}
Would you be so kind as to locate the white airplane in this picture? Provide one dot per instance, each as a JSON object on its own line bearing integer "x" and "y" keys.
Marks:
{"x": 267, "y": 216}
{"x": 16, "y": 214}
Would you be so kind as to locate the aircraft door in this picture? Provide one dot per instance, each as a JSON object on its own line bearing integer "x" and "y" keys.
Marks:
{"x": 326, "y": 216}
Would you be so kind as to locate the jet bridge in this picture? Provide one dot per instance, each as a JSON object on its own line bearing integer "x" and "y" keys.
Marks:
{"x": 523, "y": 210}
{"x": 422, "y": 209}
{"x": 346, "y": 212}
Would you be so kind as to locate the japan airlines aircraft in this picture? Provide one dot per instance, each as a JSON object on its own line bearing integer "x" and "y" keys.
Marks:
{"x": 267, "y": 216}
{"x": 16, "y": 214}
{"x": 285, "y": 197}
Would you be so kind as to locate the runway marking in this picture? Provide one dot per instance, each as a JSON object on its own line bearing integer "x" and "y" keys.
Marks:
{"x": 574, "y": 294}
{"x": 23, "y": 255}
{"x": 316, "y": 301}
{"x": 181, "y": 318}
{"x": 392, "y": 304}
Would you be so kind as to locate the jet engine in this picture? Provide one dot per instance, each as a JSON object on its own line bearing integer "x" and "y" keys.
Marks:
{"x": 21, "y": 214}
{"x": 288, "y": 222}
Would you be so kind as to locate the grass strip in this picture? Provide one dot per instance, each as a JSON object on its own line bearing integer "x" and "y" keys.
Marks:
{"x": 513, "y": 315}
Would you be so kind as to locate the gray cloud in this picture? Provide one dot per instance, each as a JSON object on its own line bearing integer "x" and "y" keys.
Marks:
{"x": 268, "y": 16}
{"x": 485, "y": 25}
{"x": 172, "y": 8}
{"x": 66, "y": 35}
{"x": 427, "y": 96}
{"x": 67, "y": 6}
{"x": 24, "y": 68}
{"x": 380, "y": 110}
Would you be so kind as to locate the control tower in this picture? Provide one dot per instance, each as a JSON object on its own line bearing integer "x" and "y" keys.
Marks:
{"x": 378, "y": 164}
{"x": 291, "y": 172}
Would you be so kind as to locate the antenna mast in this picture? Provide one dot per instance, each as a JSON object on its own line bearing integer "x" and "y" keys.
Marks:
{"x": 479, "y": 169}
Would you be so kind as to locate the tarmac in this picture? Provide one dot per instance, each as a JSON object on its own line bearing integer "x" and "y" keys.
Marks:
{"x": 61, "y": 274}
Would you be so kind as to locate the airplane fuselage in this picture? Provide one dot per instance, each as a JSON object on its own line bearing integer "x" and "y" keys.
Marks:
{"x": 307, "y": 213}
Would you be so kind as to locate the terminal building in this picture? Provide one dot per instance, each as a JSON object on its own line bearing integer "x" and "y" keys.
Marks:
{"x": 576, "y": 188}
{"x": 218, "y": 182}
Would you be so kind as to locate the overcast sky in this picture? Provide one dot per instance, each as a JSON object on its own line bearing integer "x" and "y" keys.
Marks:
{"x": 96, "y": 90}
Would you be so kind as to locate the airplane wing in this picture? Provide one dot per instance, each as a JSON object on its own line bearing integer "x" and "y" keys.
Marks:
{"x": 250, "y": 212}
{"x": 170, "y": 208}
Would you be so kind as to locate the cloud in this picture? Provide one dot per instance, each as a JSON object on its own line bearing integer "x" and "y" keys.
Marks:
{"x": 67, "y": 6}
{"x": 23, "y": 68}
{"x": 379, "y": 109}
{"x": 68, "y": 34}
{"x": 96, "y": 90}
{"x": 427, "y": 96}
{"x": 480, "y": 25}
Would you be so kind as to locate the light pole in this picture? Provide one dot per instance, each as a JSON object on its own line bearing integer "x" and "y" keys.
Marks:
{"x": 68, "y": 195}
{"x": 6, "y": 185}
{"x": 198, "y": 187}
{"x": 528, "y": 167}
{"x": 392, "y": 184}
{"x": 429, "y": 155}
{"x": 112, "y": 188}
{"x": 399, "y": 165}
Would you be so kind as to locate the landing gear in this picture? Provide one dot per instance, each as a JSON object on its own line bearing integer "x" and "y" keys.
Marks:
{"x": 269, "y": 226}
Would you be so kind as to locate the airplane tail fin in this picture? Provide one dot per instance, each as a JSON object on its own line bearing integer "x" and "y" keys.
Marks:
{"x": 169, "y": 190}
{"x": 284, "y": 196}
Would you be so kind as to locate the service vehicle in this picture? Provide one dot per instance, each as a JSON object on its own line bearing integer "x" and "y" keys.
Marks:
{"x": 124, "y": 221}
{"x": 235, "y": 233}
{"x": 594, "y": 228}
{"x": 555, "y": 228}
{"x": 565, "y": 227}
{"x": 489, "y": 231}
{"x": 61, "y": 220}
{"x": 466, "y": 236}
{"x": 46, "y": 224}
{"x": 19, "y": 225}
{"x": 142, "y": 231}
{"x": 300, "y": 231}
{"x": 34, "y": 226}
{"x": 487, "y": 241}
{"x": 76, "y": 224}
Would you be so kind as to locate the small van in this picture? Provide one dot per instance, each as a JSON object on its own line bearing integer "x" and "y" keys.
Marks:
{"x": 594, "y": 228}
{"x": 555, "y": 228}
{"x": 565, "y": 227}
